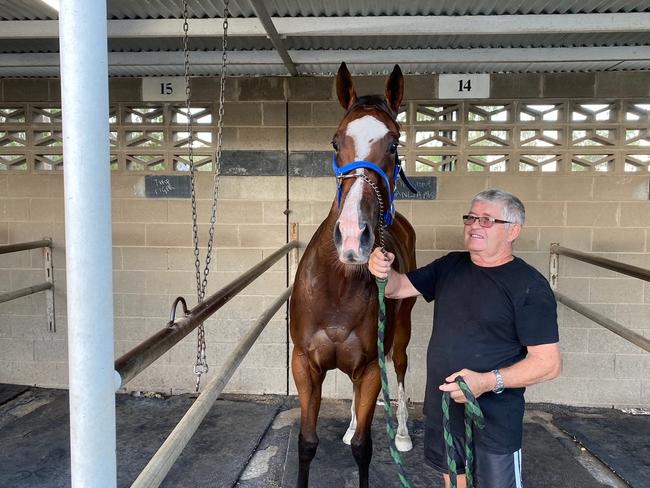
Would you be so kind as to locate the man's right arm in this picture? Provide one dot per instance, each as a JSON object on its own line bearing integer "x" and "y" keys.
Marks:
{"x": 398, "y": 284}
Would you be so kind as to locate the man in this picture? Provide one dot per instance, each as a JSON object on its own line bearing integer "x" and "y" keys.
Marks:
{"x": 494, "y": 324}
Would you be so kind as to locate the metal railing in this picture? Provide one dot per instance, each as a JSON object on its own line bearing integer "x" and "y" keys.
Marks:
{"x": 627, "y": 269}
{"x": 137, "y": 359}
{"x": 159, "y": 465}
{"x": 47, "y": 285}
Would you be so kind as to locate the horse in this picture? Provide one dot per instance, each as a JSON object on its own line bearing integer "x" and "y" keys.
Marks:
{"x": 334, "y": 302}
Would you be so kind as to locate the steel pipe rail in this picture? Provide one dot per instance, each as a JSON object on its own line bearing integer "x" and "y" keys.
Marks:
{"x": 25, "y": 246}
{"x": 23, "y": 292}
{"x": 155, "y": 471}
{"x": 47, "y": 286}
{"x": 624, "y": 332}
{"x": 627, "y": 269}
{"x": 137, "y": 359}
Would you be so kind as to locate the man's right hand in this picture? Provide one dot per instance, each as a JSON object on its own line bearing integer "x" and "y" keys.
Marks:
{"x": 380, "y": 265}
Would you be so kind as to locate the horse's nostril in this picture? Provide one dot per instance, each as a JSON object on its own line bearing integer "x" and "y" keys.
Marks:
{"x": 338, "y": 238}
{"x": 366, "y": 237}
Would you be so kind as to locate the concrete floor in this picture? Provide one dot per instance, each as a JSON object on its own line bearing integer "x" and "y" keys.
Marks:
{"x": 251, "y": 442}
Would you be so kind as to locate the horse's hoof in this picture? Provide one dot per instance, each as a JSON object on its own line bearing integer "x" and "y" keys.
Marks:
{"x": 347, "y": 438}
{"x": 403, "y": 443}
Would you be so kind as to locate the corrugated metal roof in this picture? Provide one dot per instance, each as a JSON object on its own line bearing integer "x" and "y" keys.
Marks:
{"x": 26, "y": 10}
{"x": 427, "y": 68}
{"x": 468, "y": 41}
{"x": 314, "y": 51}
{"x": 170, "y": 9}
{"x": 129, "y": 9}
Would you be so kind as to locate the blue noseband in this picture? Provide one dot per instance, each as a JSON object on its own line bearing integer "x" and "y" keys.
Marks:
{"x": 340, "y": 172}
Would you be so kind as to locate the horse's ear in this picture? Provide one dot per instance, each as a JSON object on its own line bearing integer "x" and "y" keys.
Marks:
{"x": 395, "y": 88}
{"x": 345, "y": 87}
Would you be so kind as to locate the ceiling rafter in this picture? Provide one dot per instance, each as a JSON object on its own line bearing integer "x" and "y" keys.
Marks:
{"x": 281, "y": 27}
{"x": 269, "y": 27}
{"x": 173, "y": 61}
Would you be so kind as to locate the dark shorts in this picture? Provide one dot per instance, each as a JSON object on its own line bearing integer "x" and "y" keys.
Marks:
{"x": 491, "y": 470}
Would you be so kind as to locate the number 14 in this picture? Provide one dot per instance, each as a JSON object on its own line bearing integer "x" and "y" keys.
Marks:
{"x": 464, "y": 85}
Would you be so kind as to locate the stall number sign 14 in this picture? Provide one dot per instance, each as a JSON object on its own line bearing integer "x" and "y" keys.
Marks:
{"x": 160, "y": 89}
{"x": 464, "y": 86}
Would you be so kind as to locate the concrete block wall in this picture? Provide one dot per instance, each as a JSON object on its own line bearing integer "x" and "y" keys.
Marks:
{"x": 153, "y": 262}
{"x": 153, "y": 259}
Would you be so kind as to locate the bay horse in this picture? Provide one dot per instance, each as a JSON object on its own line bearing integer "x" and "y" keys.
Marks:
{"x": 334, "y": 303}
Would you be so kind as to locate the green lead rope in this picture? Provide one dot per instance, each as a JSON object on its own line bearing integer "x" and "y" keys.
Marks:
{"x": 388, "y": 409}
{"x": 473, "y": 416}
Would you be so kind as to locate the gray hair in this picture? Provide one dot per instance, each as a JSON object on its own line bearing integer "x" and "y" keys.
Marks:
{"x": 513, "y": 209}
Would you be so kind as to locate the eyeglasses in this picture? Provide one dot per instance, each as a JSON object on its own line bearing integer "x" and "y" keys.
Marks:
{"x": 486, "y": 222}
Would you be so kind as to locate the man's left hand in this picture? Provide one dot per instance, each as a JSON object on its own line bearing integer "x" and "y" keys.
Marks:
{"x": 478, "y": 384}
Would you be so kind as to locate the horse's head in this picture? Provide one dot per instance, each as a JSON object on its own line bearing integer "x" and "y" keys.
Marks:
{"x": 365, "y": 164}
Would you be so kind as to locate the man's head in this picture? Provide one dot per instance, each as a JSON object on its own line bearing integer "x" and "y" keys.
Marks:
{"x": 492, "y": 224}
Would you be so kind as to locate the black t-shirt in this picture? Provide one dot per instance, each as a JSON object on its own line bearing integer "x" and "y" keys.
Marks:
{"x": 484, "y": 317}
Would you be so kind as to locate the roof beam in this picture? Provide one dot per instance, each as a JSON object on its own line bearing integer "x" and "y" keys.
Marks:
{"x": 463, "y": 24}
{"x": 399, "y": 56}
{"x": 355, "y": 26}
{"x": 265, "y": 19}
{"x": 488, "y": 55}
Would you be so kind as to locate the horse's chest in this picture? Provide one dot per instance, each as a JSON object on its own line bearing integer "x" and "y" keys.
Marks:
{"x": 347, "y": 335}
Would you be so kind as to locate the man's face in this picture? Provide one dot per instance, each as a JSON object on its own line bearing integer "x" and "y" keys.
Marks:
{"x": 490, "y": 243}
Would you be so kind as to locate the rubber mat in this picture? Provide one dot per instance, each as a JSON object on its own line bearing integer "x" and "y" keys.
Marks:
{"x": 9, "y": 392}
{"x": 547, "y": 461}
{"x": 621, "y": 441}
{"x": 36, "y": 454}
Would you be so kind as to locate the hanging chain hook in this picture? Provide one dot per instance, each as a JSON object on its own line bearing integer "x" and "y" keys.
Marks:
{"x": 201, "y": 365}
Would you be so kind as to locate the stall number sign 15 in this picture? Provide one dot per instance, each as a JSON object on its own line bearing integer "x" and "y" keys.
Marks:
{"x": 163, "y": 88}
{"x": 464, "y": 86}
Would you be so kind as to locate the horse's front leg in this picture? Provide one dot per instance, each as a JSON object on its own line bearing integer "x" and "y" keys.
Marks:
{"x": 366, "y": 390}
{"x": 347, "y": 438}
{"x": 400, "y": 361}
{"x": 309, "y": 385}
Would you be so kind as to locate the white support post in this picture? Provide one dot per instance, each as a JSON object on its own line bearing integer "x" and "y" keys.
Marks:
{"x": 84, "y": 92}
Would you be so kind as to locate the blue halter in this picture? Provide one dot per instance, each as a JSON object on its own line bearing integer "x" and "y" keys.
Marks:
{"x": 340, "y": 172}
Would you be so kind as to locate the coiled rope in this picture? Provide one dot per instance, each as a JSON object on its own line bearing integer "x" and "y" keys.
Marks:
{"x": 473, "y": 417}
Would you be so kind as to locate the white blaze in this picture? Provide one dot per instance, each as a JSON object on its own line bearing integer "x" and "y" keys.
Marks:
{"x": 364, "y": 131}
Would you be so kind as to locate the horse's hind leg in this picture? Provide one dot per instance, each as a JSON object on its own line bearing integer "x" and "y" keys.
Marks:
{"x": 400, "y": 360}
{"x": 366, "y": 390}
{"x": 309, "y": 385}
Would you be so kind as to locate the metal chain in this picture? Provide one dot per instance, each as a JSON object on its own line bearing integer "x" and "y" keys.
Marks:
{"x": 201, "y": 365}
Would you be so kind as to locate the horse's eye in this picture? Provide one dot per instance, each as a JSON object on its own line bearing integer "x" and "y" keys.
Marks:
{"x": 393, "y": 147}
{"x": 335, "y": 145}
